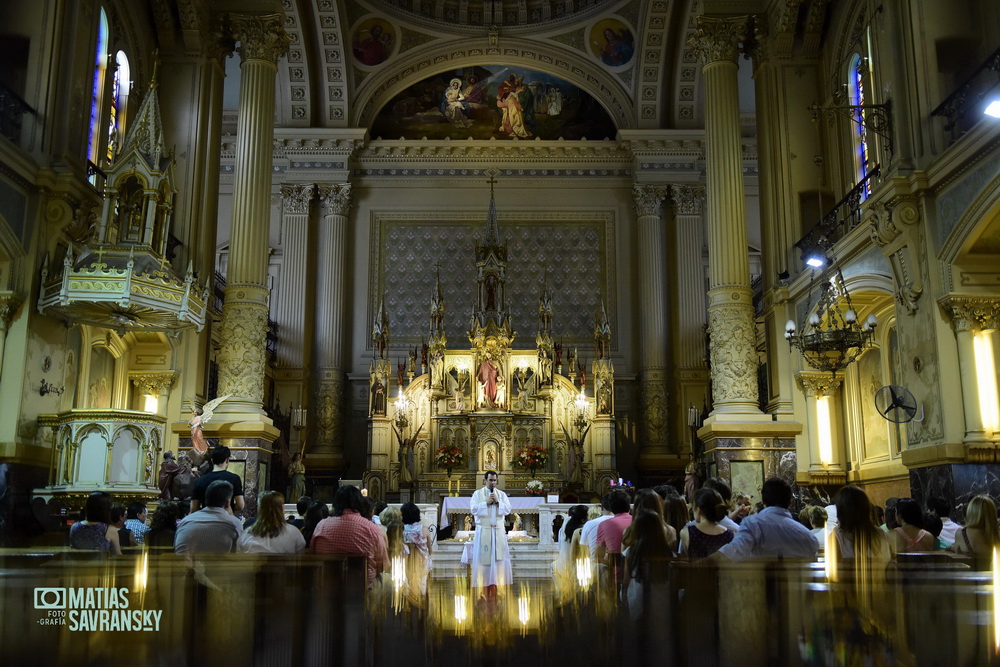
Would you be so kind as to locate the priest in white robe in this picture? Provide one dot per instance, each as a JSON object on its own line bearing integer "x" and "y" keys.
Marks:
{"x": 490, "y": 557}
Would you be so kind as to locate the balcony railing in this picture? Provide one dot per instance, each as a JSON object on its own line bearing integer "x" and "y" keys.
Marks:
{"x": 842, "y": 218}
{"x": 962, "y": 109}
{"x": 12, "y": 110}
{"x": 218, "y": 293}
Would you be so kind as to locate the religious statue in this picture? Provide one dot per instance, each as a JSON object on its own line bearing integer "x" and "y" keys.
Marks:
{"x": 297, "y": 478}
{"x": 487, "y": 377}
{"x": 582, "y": 368}
{"x": 576, "y": 455}
{"x": 423, "y": 355}
{"x": 176, "y": 478}
{"x": 518, "y": 526}
{"x": 602, "y": 332}
{"x": 380, "y": 332}
{"x": 603, "y": 396}
{"x": 378, "y": 395}
{"x": 401, "y": 374}
{"x": 690, "y": 480}
{"x": 558, "y": 349}
{"x": 468, "y": 523}
{"x": 405, "y": 454}
{"x": 501, "y": 396}
{"x": 412, "y": 361}
{"x": 198, "y": 421}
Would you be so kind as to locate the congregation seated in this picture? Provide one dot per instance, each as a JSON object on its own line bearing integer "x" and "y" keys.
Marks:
{"x": 270, "y": 533}
{"x": 163, "y": 525}
{"x": 910, "y": 536}
{"x": 981, "y": 534}
{"x": 772, "y": 532}
{"x": 349, "y": 532}
{"x": 706, "y": 535}
{"x": 95, "y": 532}
{"x": 316, "y": 513}
{"x": 212, "y": 529}
{"x": 942, "y": 510}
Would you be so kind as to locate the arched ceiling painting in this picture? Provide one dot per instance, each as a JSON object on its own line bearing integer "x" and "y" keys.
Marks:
{"x": 493, "y": 101}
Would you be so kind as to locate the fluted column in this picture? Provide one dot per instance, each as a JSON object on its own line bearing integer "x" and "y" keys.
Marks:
{"x": 817, "y": 386}
{"x": 330, "y": 376}
{"x": 242, "y": 358}
{"x": 731, "y": 328}
{"x": 689, "y": 243}
{"x": 652, "y": 299}
{"x": 969, "y": 316}
{"x": 290, "y": 293}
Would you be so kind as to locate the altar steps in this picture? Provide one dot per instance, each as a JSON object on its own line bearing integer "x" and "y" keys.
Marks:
{"x": 529, "y": 560}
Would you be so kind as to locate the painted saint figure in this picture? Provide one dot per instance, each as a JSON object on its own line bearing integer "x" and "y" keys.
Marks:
{"x": 454, "y": 105}
{"x": 487, "y": 376}
{"x": 296, "y": 478}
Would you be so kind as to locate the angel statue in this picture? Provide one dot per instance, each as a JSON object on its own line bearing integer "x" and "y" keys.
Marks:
{"x": 576, "y": 455}
{"x": 405, "y": 454}
{"x": 202, "y": 417}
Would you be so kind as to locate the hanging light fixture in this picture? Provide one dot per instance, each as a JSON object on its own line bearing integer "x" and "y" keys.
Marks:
{"x": 831, "y": 338}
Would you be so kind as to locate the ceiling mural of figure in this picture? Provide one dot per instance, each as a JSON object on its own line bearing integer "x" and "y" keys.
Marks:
{"x": 493, "y": 101}
{"x": 613, "y": 42}
{"x": 373, "y": 40}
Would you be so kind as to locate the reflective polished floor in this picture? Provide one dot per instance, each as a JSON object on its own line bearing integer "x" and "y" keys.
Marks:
{"x": 310, "y": 610}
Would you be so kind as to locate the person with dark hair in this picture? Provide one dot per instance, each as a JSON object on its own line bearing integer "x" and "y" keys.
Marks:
{"x": 706, "y": 535}
{"x": 220, "y": 465}
{"x": 377, "y": 512}
{"x": 772, "y": 532}
{"x": 301, "y": 505}
{"x": 125, "y": 538}
{"x": 212, "y": 529}
{"x": 564, "y": 565}
{"x": 367, "y": 508}
{"x": 609, "y": 533}
{"x": 95, "y": 532}
{"x": 490, "y": 557}
{"x": 910, "y": 535}
{"x": 933, "y": 525}
{"x": 348, "y": 532}
{"x": 270, "y": 533}
{"x": 941, "y": 509}
{"x": 588, "y": 534}
{"x": 856, "y": 534}
{"x": 163, "y": 525}
{"x": 649, "y": 547}
{"x": 136, "y": 521}
{"x": 890, "y": 515}
{"x": 720, "y": 486}
{"x": 316, "y": 513}
{"x": 418, "y": 539}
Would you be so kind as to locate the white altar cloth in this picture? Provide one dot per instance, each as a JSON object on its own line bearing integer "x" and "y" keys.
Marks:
{"x": 460, "y": 505}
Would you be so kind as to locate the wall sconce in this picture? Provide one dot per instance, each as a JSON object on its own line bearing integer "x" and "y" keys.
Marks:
{"x": 299, "y": 418}
{"x": 47, "y": 388}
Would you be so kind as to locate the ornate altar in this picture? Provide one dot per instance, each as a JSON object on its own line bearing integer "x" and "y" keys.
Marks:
{"x": 456, "y": 413}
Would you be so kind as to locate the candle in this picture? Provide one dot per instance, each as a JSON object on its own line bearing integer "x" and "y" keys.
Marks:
{"x": 364, "y": 492}
{"x": 619, "y": 481}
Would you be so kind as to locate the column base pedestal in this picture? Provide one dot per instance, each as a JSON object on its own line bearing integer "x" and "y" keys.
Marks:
{"x": 748, "y": 453}
{"x": 956, "y": 483}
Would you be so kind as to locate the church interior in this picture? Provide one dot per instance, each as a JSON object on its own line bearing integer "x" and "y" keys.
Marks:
{"x": 589, "y": 244}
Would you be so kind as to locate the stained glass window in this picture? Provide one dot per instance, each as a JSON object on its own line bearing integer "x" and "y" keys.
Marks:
{"x": 859, "y": 92}
{"x": 100, "y": 67}
{"x": 116, "y": 108}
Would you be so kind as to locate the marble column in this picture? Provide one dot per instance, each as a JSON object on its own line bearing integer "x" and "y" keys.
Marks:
{"x": 242, "y": 358}
{"x": 730, "y": 313}
{"x": 651, "y": 239}
{"x": 289, "y": 299}
{"x": 330, "y": 390}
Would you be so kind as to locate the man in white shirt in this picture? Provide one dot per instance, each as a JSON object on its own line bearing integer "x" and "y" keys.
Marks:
{"x": 588, "y": 534}
{"x": 940, "y": 508}
{"x": 490, "y": 557}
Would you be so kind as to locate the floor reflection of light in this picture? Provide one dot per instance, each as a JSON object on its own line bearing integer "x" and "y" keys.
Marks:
{"x": 460, "y": 613}
{"x": 996, "y": 600}
{"x": 141, "y": 572}
{"x": 584, "y": 573}
{"x": 830, "y": 556}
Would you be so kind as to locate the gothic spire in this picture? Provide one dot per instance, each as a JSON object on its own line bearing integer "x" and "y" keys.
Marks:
{"x": 492, "y": 237}
{"x": 146, "y": 132}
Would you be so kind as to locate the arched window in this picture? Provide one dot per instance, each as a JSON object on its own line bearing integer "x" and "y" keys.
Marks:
{"x": 860, "y": 90}
{"x": 117, "y": 105}
{"x": 96, "y": 106}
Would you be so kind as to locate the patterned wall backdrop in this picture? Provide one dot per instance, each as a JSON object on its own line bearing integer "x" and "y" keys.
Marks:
{"x": 575, "y": 252}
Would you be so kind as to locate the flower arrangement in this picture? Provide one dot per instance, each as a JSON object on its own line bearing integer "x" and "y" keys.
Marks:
{"x": 534, "y": 488}
{"x": 531, "y": 456}
{"x": 449, "y": 457}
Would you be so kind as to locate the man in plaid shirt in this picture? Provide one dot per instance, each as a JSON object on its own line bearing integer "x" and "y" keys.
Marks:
{"x": 136, "y": 521}
{"x": 348, "y": 532}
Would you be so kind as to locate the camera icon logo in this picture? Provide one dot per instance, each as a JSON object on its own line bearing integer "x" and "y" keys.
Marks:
{"x": 50, "y": 598}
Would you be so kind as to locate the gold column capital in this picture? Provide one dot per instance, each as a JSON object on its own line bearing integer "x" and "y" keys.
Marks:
{"x": 719, "y": 39}
{"x": 335, "y": 198}
{"x": 688, "y": 199}
{"x": 260, "y": 36}
{"x": 971, "y": 313}
{"x": 817, "y": 384}
{"x": 295, "y": 197}
{"x": 648, "y": 198}
{"x": 155, "y": 383}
